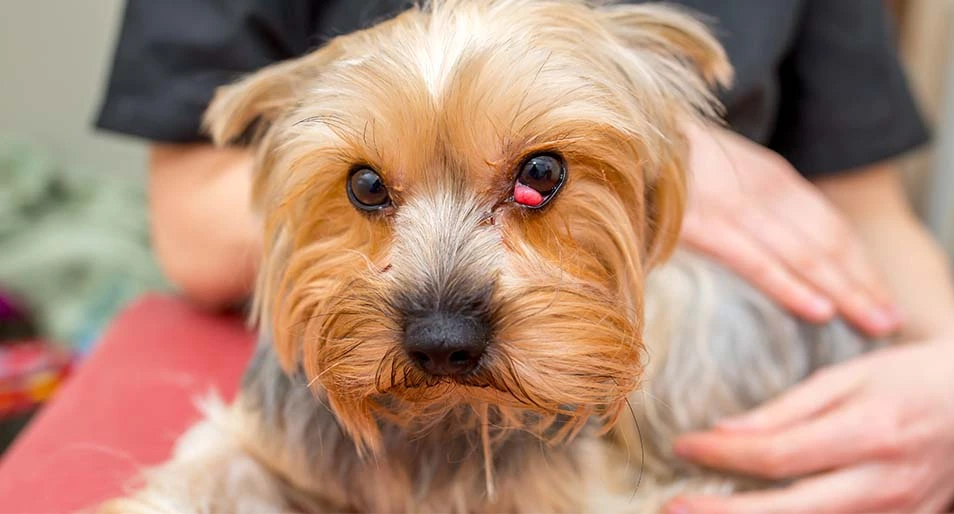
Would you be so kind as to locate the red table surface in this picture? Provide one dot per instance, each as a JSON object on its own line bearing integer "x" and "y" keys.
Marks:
{"x": 124, "y": 407}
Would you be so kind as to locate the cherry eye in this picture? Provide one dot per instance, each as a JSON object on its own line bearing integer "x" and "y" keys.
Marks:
{"x": 367, "y": 191}
{"x": 539, "y": 180}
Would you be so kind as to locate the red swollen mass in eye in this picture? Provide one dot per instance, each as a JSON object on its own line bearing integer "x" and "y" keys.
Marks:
{"x": 526, "y": 195}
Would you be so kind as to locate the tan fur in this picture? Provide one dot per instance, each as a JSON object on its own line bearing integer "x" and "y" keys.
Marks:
{"x": 445, "y": 102}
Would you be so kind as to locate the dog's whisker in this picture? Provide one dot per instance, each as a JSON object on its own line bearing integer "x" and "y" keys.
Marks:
{"x": 642, "y": 450}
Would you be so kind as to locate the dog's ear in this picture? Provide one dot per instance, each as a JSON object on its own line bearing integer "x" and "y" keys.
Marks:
{"x": 263, "y": 96}
{"x": 673, "y": 63}
{"x": 665, "y": 203}
{"x": 674, "y": 35}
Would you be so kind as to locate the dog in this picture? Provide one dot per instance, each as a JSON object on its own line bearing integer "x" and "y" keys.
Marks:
{"x": 471, "y": 298}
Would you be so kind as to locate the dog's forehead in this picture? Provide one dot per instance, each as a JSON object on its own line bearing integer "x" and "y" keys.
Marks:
{"x": 467, "y": 84}
{"x": 453, "y": 32}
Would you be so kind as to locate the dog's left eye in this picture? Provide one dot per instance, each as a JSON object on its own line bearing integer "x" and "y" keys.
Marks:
{"x": 367, "y": 191}
{"x": 539, "y": 179}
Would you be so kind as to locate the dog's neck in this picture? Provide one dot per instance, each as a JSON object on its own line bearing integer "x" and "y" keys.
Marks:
{"x": 430, "y": 467}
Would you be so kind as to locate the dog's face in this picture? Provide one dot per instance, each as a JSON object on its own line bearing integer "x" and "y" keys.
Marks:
{"x": 460, "y": 205}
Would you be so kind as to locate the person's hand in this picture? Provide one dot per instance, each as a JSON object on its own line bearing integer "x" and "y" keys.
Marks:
{"x": 751, "y": 211}
{"x": 872, "y": 435}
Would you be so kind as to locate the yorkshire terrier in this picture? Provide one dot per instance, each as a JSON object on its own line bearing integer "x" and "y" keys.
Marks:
{"x": 461, "y": 207}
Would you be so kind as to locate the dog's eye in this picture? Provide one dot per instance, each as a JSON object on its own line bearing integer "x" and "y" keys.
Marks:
{"x": 367, "y": 191}
{"x": 538, "y": 181}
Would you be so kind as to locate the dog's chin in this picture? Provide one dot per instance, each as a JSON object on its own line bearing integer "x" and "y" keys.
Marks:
{"x": 466, "y": 406}
{"x": 407, "y": 385}
{"x": 417, "y": 402}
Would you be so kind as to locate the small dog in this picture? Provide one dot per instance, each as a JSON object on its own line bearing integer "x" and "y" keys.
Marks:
{"x": 462, "y": 206}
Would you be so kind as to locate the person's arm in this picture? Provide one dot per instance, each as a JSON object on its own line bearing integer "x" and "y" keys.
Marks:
{"x": 916, "y": 269}
{"x": 170, "y": 57}
{"x": 203, "y": 232}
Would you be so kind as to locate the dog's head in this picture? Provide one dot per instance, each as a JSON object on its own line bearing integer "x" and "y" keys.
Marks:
{"x": 461, "y": 203}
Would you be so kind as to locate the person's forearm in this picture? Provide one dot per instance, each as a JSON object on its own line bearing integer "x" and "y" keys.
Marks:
{"x": 912, "y": 263}
{"x": 203, "y": 233}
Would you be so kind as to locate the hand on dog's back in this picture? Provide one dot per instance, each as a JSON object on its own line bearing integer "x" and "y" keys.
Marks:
{"x": 751, "y": 211}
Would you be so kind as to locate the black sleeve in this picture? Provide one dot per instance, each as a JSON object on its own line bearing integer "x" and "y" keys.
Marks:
{"x": 845, "y": 99}
{"x": 172, "y": 54}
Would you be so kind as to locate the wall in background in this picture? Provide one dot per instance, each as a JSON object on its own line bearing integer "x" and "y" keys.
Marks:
{"x": 54, "y": 57}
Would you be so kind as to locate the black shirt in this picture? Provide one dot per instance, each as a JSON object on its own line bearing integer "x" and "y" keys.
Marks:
{"x": 816, "y": 80}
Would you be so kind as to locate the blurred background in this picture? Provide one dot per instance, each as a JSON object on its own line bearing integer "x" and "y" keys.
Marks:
{"x": 74, "y": 245}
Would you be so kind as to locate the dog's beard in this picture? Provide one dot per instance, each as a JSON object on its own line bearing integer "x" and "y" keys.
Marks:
{"x": 402, "y": 385}
{"x": 549, "y": 370}
{"x": 418, "y": 401}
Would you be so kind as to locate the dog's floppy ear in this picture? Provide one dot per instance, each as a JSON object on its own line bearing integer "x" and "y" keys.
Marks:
{"x": 671, "y": 33}
{"x": 263, "y": 96}
{"x": 673, "y": 63}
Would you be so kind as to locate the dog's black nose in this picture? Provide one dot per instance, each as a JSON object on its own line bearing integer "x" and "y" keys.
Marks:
{"x": 445, "y": 344}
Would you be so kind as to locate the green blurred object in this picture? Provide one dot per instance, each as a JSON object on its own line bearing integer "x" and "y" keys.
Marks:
{"x": 74, "y": 247}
